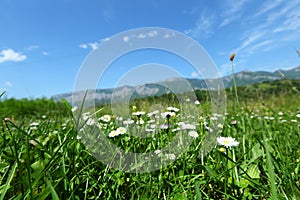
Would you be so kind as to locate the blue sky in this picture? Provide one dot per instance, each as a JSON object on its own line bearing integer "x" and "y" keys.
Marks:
{"x": 44, "y": 43}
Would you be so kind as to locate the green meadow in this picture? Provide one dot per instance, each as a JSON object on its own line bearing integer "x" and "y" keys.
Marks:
{"x": 256, "y": 155}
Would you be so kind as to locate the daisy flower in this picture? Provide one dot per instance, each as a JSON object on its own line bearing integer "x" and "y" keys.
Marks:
{"x": 227, "y": 142}
{"x": 138, "y": 113}
{"x": 167, "y": 114}
{"x": 128, "y": 122}
{"x": 105, "y": 118}
{"x": 172, "y": 109}
{"x": 170, "y": 156}
{"x": 113, "y": 134}
{"x": 193, "y": 134}
{"x": 121, "y": 130}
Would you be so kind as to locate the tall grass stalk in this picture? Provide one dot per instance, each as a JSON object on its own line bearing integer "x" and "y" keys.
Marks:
{"x": 234, "y": 84}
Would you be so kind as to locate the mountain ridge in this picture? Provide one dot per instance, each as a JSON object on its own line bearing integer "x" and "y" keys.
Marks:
{"x": 243, "y": 78}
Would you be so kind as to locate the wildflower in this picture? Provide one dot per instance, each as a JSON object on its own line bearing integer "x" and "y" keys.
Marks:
{"x": 74, "y": 108}
{"x": 232, "y": 57}
{"x": 170, "y": 156}
{"x": 197, "y": 102}
{"x": 153, "y": 126}
{"x": 78, "y": 137}
{"x": 140, "y": 121}
{"x": 175, "y": 129}
{"x": 167, "y": 114}
{"x": 113, "y": 133}
{"x": 214, "y": 118}
{"x": 121, "y": 130}
{"x": 227, "y": 141}
{"x": 280, "y": 113}
{"x": 220, "y": 125}
{"x": 187, "y": 100}
{"x": 105, "y": 118}
{"x": 157, "y": 151}
{"x": 138, "y": 113}
{"x": 298, "y": 115}
{"x": 293, "y": 120}
{"x": 152, "y": 113}
{"x": 34, "y": 124}
{"x": 119, "y": 118}
{"x": 151, "y": 121}
{"x": 188, "y": 126}
{"x": 6, "y": 119}
{"x": 193, "y": 134}
{"x": 86, "y": 113}
{"x": 172, "y": 109}
{"x": 164, "y": 126}
{"x": 149, "y": 130}
{"x": 128, "y": 122}
{"x": 134, "y": 108}
{"x": 90, "y": 122}
{"x": 233, "y": 122}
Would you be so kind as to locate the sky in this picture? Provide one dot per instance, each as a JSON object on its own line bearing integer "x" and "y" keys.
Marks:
{"x": 43, "y": 44}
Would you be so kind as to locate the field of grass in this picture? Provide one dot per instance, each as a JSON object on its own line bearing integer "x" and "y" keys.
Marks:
{"x": 43, "y": 156}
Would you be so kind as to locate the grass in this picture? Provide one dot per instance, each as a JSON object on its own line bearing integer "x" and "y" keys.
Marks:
{"x": 43, "y": 157}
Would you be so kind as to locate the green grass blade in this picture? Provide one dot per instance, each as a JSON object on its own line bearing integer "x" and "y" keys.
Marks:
{"x": 198, "y": 193}
{"x": 271, "y": 172}
{"x": 53, "y": 192}
{"x": 10, "y": 177}
{"x": 2, "y": 93}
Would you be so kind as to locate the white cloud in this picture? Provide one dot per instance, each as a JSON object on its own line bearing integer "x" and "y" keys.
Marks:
{"x": 83, "y": 46}
{"x": 9, "y": 84}
{"x": 11, "y": 55}
{"x": 93, "y": 45}
{"x": 45, "y": 53}
{"x": 195, "y": 74}
{"x": 126, "y": 39}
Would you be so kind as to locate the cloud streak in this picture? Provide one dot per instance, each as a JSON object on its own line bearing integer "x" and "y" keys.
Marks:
{"x": 232, "y": 12}
{"x": 203, "y": 26}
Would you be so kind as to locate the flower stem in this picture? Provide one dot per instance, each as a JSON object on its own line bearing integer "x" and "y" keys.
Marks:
{"x": 235, "y": 86}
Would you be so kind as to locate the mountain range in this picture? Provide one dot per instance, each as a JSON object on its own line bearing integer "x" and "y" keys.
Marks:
{"x": 156, "y": 89}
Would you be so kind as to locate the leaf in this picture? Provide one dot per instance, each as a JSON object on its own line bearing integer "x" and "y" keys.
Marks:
{"x": 253, "y": 171}
{"x": 257, "y": 152}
